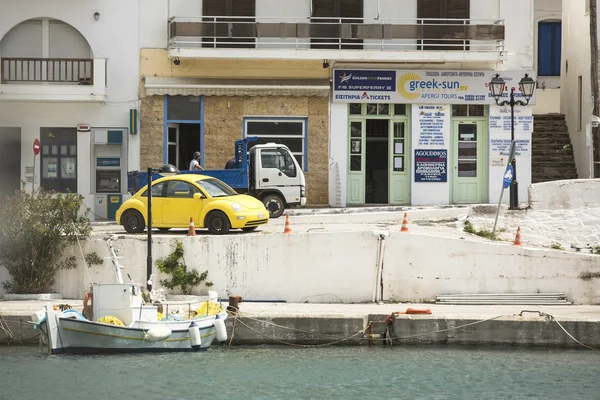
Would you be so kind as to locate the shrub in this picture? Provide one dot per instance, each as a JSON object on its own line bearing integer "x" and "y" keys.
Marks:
{"x": 180, "y": 276}
{"x": 35, "y": 230}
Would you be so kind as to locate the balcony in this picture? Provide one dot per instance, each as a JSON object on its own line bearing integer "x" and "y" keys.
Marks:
{"x": 342, "y": 39}
{"x": 53, "y": 79}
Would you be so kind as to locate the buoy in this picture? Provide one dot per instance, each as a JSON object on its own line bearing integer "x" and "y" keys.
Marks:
{"x": 195, "y": 339}
{"x": 220, "y": 329}
{"x": 157, "y": 334}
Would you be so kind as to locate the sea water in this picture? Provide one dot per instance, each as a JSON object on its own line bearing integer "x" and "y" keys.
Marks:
{"x": 273, "y": 372}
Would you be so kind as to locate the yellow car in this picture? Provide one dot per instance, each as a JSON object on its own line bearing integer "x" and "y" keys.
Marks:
{"x": 210, "y": 202}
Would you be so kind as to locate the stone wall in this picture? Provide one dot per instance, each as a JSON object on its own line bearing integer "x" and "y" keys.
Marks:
{"x": 565, "y": 195}
{"x": 223, "y": 118}
{"x": 151, "y": 132}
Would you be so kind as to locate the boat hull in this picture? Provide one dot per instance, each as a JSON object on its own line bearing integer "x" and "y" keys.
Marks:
{"x": 75, "y": 336}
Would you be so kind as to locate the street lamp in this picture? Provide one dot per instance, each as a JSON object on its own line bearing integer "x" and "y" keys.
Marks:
{"x": 527, "y": 87}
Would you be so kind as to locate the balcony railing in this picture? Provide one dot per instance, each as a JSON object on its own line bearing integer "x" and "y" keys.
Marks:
{"x": 53, "y": 79}
{"x": 47, "y": 70}
{"x": 337, "y": 33}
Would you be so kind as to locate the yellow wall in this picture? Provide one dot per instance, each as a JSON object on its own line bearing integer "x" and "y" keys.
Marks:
{"x": 155, "y": 62}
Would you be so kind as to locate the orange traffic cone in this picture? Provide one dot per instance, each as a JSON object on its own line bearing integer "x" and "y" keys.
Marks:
{"x": 404, "y": 223}
{"x": 192, "y": 230}
{"x": 518, "y": 237}
{"x": 288, "y": 227}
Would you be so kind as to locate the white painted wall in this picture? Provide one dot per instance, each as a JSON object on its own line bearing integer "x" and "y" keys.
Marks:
{"x": 546, "y": 101}
{"x": 338, "y": 136}
{"x": 576, "y": 62}
{"x": 545, "y": 10}
{"x": 278, "y": 267}
{"x": 565, "y": 195}
{"x": 114, "y": 37}
{"x": 518, "y": 16}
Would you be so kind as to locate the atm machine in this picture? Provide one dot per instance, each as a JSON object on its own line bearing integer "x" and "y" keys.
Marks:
{"x": 109, "y": 172}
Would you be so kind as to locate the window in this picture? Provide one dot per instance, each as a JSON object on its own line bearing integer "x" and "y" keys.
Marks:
{"x": 228, "y": 32}
{"x": 329, "y": 29}
{"x": 157, "y": 190}
{"x": 377, "y": 109}
{"x": 549, "y": 48}
{"x": 437, "y": 10}
{"x": 59, "y": 159}
{"x": 216, "y": 188}
{"x": 467, "y": 110}
{"x": 280, "y": 160}
{"x": 289, "y": 132}
{"x": 181, "y": 190}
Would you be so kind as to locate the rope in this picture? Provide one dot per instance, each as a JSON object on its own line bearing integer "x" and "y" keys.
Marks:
{"x": 303, "y": 345}
{"x": 284, "y": 327}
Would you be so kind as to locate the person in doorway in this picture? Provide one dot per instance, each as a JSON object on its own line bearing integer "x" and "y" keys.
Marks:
{"x": 195, "y": 163}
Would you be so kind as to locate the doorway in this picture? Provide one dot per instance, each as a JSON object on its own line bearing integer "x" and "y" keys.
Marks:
{"x": 469, "y": 159}
{"x": 10, "y": 162}
{"x": 182, "y": 141}
{"x": 376, "y": 166}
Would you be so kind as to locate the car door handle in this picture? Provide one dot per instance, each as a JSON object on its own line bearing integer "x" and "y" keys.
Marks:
{"x": 265, "y": 179}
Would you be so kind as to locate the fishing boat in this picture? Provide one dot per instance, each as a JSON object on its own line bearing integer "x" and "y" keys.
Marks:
{"x": 124, "y": 317}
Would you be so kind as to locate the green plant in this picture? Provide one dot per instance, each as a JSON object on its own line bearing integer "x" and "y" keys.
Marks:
{"x": 93, "y": 259}
{"x": 596, "y": 250}
{"x": 556, "y": 246}
{"x": 180, "y": 276}
{"x": 35, "y": 230}
{"x": 469, "y": 228}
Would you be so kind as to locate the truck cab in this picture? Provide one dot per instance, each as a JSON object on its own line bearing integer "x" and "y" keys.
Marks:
{"x": 276, "y": 178}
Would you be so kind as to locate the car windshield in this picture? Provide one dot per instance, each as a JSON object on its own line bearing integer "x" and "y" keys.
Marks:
{"x": 216, "y": 188}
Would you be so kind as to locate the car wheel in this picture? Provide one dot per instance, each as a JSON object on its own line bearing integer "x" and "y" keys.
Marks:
{"x": 274, "y": 204}
{"x": 133, "y": 222}
{"x": 250, "y": 229}
{"x": 217, "y": 223}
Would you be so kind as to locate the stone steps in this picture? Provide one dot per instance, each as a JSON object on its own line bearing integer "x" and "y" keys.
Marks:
{"x": 552, "y": 153}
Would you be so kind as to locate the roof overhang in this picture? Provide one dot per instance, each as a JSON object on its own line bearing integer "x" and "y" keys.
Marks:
{"x": 157, "y": 85}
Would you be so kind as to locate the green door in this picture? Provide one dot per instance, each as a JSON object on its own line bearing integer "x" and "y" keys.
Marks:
{"x": 469, "y": 140}
{"x": 356, "y": 163}
{"x": 399, "y": 163}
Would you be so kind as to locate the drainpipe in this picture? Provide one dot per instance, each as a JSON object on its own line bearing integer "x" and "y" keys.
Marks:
{"x": 594, "y": 84}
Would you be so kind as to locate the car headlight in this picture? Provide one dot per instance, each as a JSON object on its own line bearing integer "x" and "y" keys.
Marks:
{"x": 236, "y": 207}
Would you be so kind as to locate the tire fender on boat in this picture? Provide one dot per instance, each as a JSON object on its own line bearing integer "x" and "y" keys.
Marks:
{"x": 157, "y": 334}
{"x": 220, "y": 329}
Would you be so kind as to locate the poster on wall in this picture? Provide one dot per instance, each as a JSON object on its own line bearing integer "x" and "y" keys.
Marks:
{"x": 500, "y": 132}
{"x": 420, "y": 86}
{"x": 431, "y": 165}
{"x": 431, "y": 125}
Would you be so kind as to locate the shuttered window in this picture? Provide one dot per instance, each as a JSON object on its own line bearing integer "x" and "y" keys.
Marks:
{"x": 549, "y": 48}
{"x": 329, "y": 30}
{"x": 222, "y": 32}
{"x": 437, "y": 10}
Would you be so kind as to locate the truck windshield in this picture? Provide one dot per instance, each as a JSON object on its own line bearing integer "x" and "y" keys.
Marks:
{"x": 216, "y": 188}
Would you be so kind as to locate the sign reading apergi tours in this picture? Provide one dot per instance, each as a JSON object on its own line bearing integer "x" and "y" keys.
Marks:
{"x": 425, "y": 87}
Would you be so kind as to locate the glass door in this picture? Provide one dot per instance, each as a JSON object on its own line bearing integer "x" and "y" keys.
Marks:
{"x": 469, "y": 174}
{"x": 173, "y": 144}
{"x": 356, "y": 163}
{"x": 399, "y": 163}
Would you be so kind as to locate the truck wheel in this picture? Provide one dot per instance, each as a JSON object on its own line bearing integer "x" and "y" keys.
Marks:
{"x": 274, "y": 204}
{"x": 133, "y": 222}
{"x": 217, "y": 223}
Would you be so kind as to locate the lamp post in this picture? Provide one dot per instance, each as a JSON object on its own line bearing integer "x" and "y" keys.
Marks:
{"x": 527, "y": 87}
{"x": 165, "y": 170}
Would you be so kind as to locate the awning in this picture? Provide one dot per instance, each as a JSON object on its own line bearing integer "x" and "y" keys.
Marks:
{"x": 158, "y": 85}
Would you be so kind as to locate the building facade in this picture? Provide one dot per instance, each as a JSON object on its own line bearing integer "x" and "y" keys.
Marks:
{"x": 381, "y": 101}
{"x": 65, "y": 82}
{"x": 577, "y": 97}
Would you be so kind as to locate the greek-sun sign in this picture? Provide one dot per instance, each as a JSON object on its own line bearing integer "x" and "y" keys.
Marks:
{"x": 36, "y": 147}
{"x": 508, "y": 176}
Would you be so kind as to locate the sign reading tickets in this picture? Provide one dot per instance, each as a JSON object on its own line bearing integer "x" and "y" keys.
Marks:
{"x": 421, "y": 86}
{"x": 431, "y": 165}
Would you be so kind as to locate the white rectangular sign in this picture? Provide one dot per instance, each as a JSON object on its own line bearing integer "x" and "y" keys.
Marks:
{"x": 421, "y": 86}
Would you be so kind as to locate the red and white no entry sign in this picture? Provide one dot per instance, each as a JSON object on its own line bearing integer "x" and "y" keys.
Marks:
{"x": 36, "y": 147}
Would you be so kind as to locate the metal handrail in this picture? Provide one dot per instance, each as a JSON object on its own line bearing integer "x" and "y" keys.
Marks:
{"x": 48, "y": 70}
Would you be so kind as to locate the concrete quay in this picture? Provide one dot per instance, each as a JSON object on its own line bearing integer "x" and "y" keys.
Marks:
{"x": 307, "y": 324}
